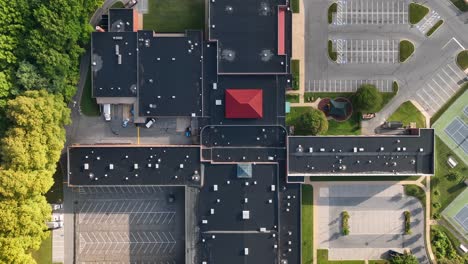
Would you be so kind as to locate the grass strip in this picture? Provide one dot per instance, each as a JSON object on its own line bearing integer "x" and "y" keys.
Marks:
{"x": 417, "y": 12}
{"x": 331, "y": 10}
{"x": 406, "y": 50}
{"x": 434, "y": 28}
{"x": 333, "y": 55}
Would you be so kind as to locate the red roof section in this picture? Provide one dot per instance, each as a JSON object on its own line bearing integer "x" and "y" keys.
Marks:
{"x": 281, "y": 30}
{"x": 244, "y": 103}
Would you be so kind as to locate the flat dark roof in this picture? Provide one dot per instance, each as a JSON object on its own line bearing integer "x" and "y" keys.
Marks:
{"x": 247, "y": 35}
{"x": 362, "y": 155}
{"x": 142, "y": 165}
{"x": 273, "y": 87}
{"x": 114, "y": 64}
{"x": 243, "y": 143}
{"x": 230, "y": 248}
{"x": 221, "y": 182}
{"x": 120, "y": 19}
{"x": 170, "y": 74}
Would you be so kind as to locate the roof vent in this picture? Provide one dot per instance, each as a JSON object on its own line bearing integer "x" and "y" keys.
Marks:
{"x": 245, "y": 214}
{"x": 135, "y": 166}
{"x": 299, "y": 149}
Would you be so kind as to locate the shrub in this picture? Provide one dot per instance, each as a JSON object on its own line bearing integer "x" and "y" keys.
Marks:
{"x": 407, "y": 222}
{"x": 443, "y": 247}
{"x": 453, "y": 176}
{"x": 345, "y": 223}
{"x": 367, "y": 99}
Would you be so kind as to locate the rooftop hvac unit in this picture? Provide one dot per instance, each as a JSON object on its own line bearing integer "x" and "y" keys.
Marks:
{"x": 111, "y": 166}
{"x": 117, "y": 49}
{"x": 86, "y": 166}
{"x": 245, "y": 215}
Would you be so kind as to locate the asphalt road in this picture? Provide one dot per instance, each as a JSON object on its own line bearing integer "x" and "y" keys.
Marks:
{"x": 431, "y": 55}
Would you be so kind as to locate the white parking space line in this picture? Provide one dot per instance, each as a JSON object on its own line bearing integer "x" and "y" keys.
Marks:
{"x": 459, "y": 75}
{"x": 346, "y": 85}
{"x": 371, "y": 12}
{"x": 366, "y": 51}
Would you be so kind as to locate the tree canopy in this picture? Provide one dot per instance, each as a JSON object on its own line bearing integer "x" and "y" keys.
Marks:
{"x": 367, "y": 99}
{"x": 41, "y": 42}
{"x": 404, "y": 259}
{"x": 311, "y": 122}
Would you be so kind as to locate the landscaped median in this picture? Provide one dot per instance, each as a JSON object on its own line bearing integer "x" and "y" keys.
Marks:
{"x": 345, "y": 223}
{"x": 417, "y": 12}
{"x": 462, "y": 60}
{"x": 434, "y": 28}
{"x": 407, "y": 222}
{"x": 331, "y": 10}
{"x": 406, "y": 50}
{"x": 295, "y": 5}
{"x": 333, "y": 55}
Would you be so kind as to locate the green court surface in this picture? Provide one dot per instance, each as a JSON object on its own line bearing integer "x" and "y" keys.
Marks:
{"x": 454, "y": 208}
{"x": 455, "y": 110}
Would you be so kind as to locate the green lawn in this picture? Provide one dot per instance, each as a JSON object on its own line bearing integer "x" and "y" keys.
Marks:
{"x": 417, "y": 12}
{"x": 332, "y": 54}
{"x": 378, "y": 262}
{"x": 331, "y": 10}
{"x": 416, "y": 191}
{"x": 460, "y": 4}
{"x": 434, "y": 28}
{"x": 407, "y": 113}
{"x": 363, "y": 178}
{"x": 174, "y": 15}
{"x": 322, "y": 258}
{"x": 307, "y": 224}
{"x": 447, "y": 190}
{"x": 314, "y": 96}
{"x": 296, "y": 8}
{"x": 292, "y": 98}
{"x": 88, "y": 105}
{"x": 295, "y": 70}
{"x": 406, "y": 50}
{"x": 462, "y": 59}
{"x": 386, "y": 97}
{"x": 449, "y": 103}
{"x": 44, "y": 254}
{"x": 352, "y": 126}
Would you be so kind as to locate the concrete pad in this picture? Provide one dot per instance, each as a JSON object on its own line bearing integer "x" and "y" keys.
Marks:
{"x": 376, "y": 222}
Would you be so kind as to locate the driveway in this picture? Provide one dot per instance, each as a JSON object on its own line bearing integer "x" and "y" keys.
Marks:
{"x": 376, "y": 221}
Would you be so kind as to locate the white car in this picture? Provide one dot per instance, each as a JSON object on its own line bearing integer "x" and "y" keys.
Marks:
{"x": 150, "y": 122}
{"x": 56, "y": 207}
{"x": 106, "y": 109}
{"x": 54, "y": 225}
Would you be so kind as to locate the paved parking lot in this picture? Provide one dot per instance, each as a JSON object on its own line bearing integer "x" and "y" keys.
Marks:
{"x": 428, "y": 21}
{"x": 130, "y": 224}
{"x": 340, "y": 86}
{"x": 438, "y": 89}
{"x": 367, "y": 50}
{"x": 376, "y": 220}
{"x": 371, "y": 12}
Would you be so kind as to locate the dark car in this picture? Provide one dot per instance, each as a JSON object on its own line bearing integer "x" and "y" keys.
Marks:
{"x": 392, "y": 254}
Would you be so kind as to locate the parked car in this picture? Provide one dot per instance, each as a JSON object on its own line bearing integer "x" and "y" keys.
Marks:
{"x": 54, "y": 225}
{"x": 56, "y": 207}
{"x": 150, "y": 122}
{"x": 106, "y": 109}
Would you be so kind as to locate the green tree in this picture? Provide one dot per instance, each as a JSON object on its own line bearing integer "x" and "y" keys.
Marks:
{"x": 312, "y": 122}
{"x": 28, "y": 77}
{"x": 37, "y": 135}
{"x": 12, "y": 251}
{"x": 25, "y": 219}
{"x": 367, "y": 99}
{"x": 404, "y": 259}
